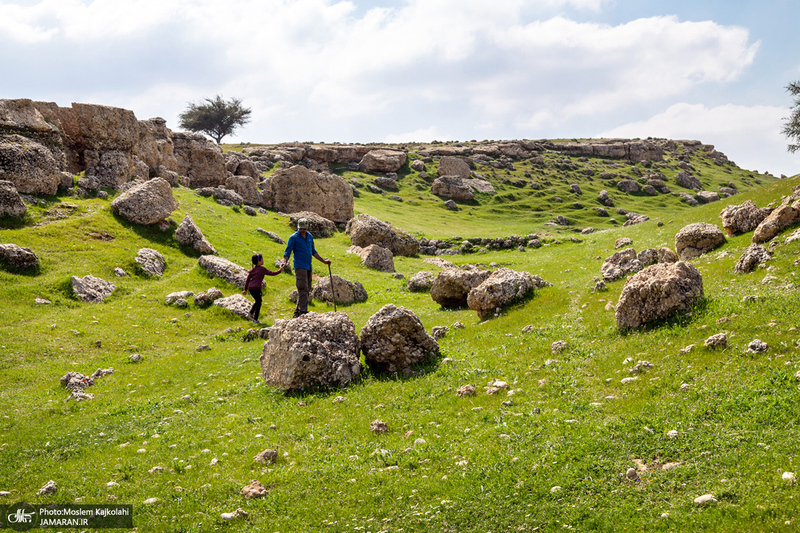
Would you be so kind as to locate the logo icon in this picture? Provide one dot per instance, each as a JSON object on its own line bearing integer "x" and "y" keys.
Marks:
{"x": 21, "y": 517}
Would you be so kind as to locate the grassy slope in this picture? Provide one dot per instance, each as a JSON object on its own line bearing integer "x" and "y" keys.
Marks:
{"x": 484, "y": 465}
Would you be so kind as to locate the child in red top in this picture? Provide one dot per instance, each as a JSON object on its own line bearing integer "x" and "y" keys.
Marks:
{"x": 255, "y": 278}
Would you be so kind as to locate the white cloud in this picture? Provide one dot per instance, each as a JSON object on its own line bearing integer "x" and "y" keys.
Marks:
{"x": 429, "y": 134}
{"x": 750, "y": 136}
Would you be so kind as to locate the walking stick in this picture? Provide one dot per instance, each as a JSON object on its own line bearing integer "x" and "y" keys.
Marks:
{"x": 333, "y": 289}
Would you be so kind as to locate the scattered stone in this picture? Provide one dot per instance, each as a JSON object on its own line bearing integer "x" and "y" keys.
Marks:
{"x": 375, "y": 257}
{"x": 151, "y": 262}
{"x": 737, "y": 219}
{"x": 120, "y": 273}
{"x": 696, "y": 239}
{"x": 135, "y": 358}
{"x": 18, "y": 257}
{"x": 672, "y": 433}
{"x": 439, "y": 332}
{"x": 465, "y": 390}
{"x": 379, "y": 427}
{"x": 640, "y": 367}
{"x": 658, "y": 292}
{"x": 420, "y": 282}
{"x": 236, "y": 304}
{"x": 207, "y": 297}
{"x": 224, "y": 269}
{"x": 620, "y": 264}
{"x": 777, "y": 221}
{"x": 684, "y": 387}
{"x": 11, "y": 204}
{"x": 788, "y": 476}
{"x": 394, "y": 340}
{"x": 203, "y": 348}
{"x": 365, "y": 230}
{"x": 632, "y": 475}
{"x": 705, "y": 499}
{"x": 665, "y": 255}
{"x": 451, "y": 205}
{"x": 752, "y": 257}
{"x": 271, "y": 235}
{"x": 151, "y": 501}
{"x": 90, "y": 289}
{"x": 452, "y": 286}
{"x": 757, "y": 346}
{"x": 720, "y": 340}
{"x": 148, "y": 203}
{"x": 173, "y": 297}
{"x": 49, "y": 488}
{"x": 495, "y": 386}
{"x": 312, "y": 350}
{"x": 346, "y": 292}
{"x": 254, "y": 490}
{"x": 503, "y": 287}
{"x": 266, "y": 456}
{"x": 238, "y": 513}
{"x": 189, "y": 234}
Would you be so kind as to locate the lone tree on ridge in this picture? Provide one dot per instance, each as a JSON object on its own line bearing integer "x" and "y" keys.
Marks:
{"x": 792, "y": 127}
{"x": 216, "y": 118}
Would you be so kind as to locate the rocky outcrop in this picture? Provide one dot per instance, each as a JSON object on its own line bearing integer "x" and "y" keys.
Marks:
{"x": 394, "y": 340}
{"x": 11, "y": 204}
{"x": 454, "y": 166}
{"x": 189, "y": 234}
{"x": 503, "y": 287}
{"x": 365, "y": 230}
{"x": 345, "y": 292}
{"x": 688, "y": 181}
{"x": 91, "y": 289}
{"x": 207, "y": 297}
{"x": 246, "y": 187}
{"x": 375, "y": 257}
{"x": 696, "y": 239}
{"x": 613, "y": 149}
{"x": 781, "y": 218}
{"x": 147, "y": 203}
{"x": 382, "y": 161}
{"x": 199, "y": 160}
{"x": 451, "y": 287}
{"x": 18, "y": 257}
{"x": 300, "y": 189}
{"x": 658, "y": 292}
{"x": 737, "y": 219}
{"x": 754, "y": 255}
{"x": 314, "y": 350}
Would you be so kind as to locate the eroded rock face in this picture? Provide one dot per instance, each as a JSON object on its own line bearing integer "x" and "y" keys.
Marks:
{"x": 452, "y": 187}
{"x": 365, "y": 230}
{"x": 18, "y": 257}
{"x": 620, "y": 265}
{"x": 451, "y": 287}
{"x": 223, "y": 269}
{"x": 696, "y": 239}
{"x": 754, "y": 255}
{"x": 382, "y": 160}
{"x": 299, "y": 189}
{"x": 11, "y": 204}
{"x": 147, "y": 203}
{"x": 737, "y": 219}
{"x": 658, "y": 292}
{"x": 151, "y": 261}
{"x": 29, "y": 166}
{"x": 503, "y": 287}
{"x": 687, "y": 180}
{"x": 246, "y": 187}
{"x": 777, "y": 221}
{"x": 91, "y": 289}
{"x": 394, "y": 340}
{"x": 189, "y": 234}
{"x": 199, "y": 160}
{"x": 453, "y": 166}
{"x": 346, "y": 292}
{"x": 314, "y": 350}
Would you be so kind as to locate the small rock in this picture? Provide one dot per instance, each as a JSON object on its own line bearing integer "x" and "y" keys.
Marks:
{"x": 135, "y": 358}
{"x": 705, "y": 499}
{"x": 238, "y": 513}
{"x": 49, "y": 488}
{"x": 465, "y": 390}
{"x": 684, "y": 387}
{"x": 632, "y": 475}
{"x": 720, "y": 340}
{"x": 672, "y": 433}
{"x": 757, "y": 346}
{"x": 267, "y": 456}
{"x": 339, "y": 399}
{"x": 151, "y": 501}
{"x": 788, "y": 476}
{"x": 555, "y": 489}
{"x": 203, "y": 348}
{"x": 378, "y": 426}
{"x": 420, "y": 442}
{"x": 558, "y": 346}
{"x": 254, "y": 490}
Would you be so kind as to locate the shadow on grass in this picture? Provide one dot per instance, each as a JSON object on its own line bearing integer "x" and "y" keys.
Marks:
{"x": 151, "y": 232}
{"x": 681, "y": 320}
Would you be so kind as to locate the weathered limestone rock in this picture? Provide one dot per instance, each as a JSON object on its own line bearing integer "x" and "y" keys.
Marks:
{"x": 300, "y": 189}
{"x": 454, "y": 166}
{"x": 394, "y": 339}
{"x": 420, "y": 282}
{"x": 628, "y": 186}
{"x": 665, "y": 255}
{"x": 223, "y": 269}
{"x": 207, "y": 297}
{"x": 374, "y": 256}
{"x": 451, "y": 287}
{"x": 503, "y": 287}
{"x": 688, "y": 181}
{"x": 365, "y": 230}
{"x": 696, "y": 239}
{"x": 246, "y": 187}
{"x": 620, "y": 264}
{"x": 777, "y": 221}
{"x": 318, "y": 226}
{"x": 754, "y": 255}
{"x": 199, "y": 160}
{"x": 658, "y": 292}
{"x": 346, "y": 292}
{"x": 18, "y": 257}
{"x": 314, "y": 350}
{"x": 147, "y": 203}
{"x": 151, "y": 261}
{"x": 189, "y": 234}
{"x": 737, "y": 219}
{"x": 452, "y": 187}
{"x": 29, "y": 165}
{"x": 708, "y": 196}
{"x": 236, "y": 304}
{"x": 382, "y": 161}
{"x": 91, "y": 289}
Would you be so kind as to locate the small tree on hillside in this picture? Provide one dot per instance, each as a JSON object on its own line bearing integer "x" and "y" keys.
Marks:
{"x": 216, "y": 118}
{"x": 792, "y": 127}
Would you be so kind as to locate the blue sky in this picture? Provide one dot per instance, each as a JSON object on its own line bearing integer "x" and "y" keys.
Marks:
{"x": 392, "y": 70}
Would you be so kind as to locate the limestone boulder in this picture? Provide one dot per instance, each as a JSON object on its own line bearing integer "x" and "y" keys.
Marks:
{"x": 375, "y": 257}
{"x": 295, "y": 189}
{"x": 223, "y": 196}
{"x": 189, "y": 234}
{"x": 503, "y": 287}
{"x": 246, "y": 187}
{"x": 11, "y": 204}
{"x": 318, "y": 226}
{"x": 737, "y": 219}
{"x": 452, "y": 187}
{"x": 29, "y": 165}
{"x": 147, "y": 203}
{"x": 199, "y": 160}
{"x": 236, "y": 304}
{"x": 223, "y": 269}
{"x": 91, "y": 289}
{"x": 708, "y": 196}
{"x": 665, "y": 255}
{"x": 480, "y": 185}
{"x": 18, "y": 257}
{"x": 620, "y": 264}
{"x": 628, "y": 186}
{"x": 781, "y": 218}
{"x": 151, "y": 261}
{"x": 394, "y": 340}
{"x": 696, "y": 239}
{"x": 314, "y": 350}
{"x": 382, "y": 161}
{"x": 657, "y": 293}
{"x": 207, "y": 297}
{"x": 365, "y": 230}
{"x": 451, "y": 287}
{"x": 240, "y": 164}
{"x": 420, "y": 282}
{"x": 688, "y": 181}
{"x": 345, "y": 292}
{"x": 454, "y": 166}
{"x": 754, "y": 255}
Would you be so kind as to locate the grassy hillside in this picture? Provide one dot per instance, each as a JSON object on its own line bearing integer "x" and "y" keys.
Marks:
{"x": 547, "y": 458}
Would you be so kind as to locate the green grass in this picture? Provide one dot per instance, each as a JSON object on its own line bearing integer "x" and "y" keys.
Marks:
{"x": 485, "y": 465}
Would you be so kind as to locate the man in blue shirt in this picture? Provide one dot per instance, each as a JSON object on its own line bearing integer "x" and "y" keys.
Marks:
{"x": 302, "y": 244}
